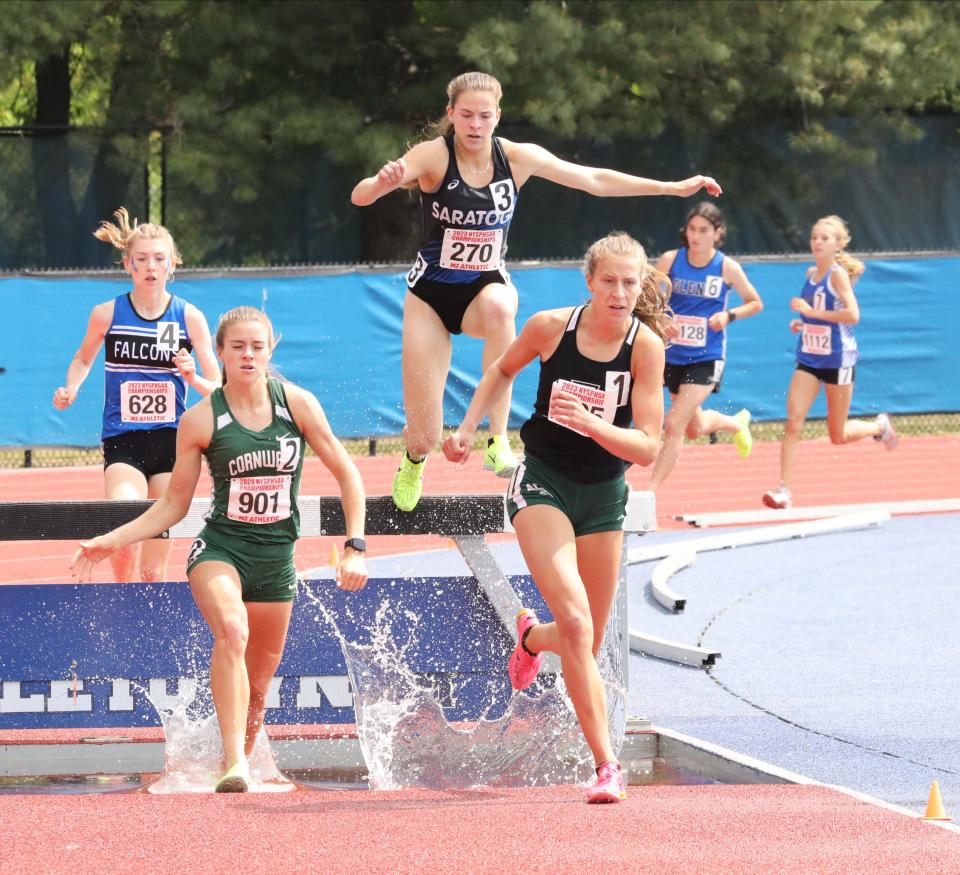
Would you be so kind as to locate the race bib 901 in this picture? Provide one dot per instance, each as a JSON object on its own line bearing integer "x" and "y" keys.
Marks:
{"x": 148, "y": 401}
{"x": 475, "y": 250}
{"x": 817, "y": 339}
{"x": 259, "y": 500}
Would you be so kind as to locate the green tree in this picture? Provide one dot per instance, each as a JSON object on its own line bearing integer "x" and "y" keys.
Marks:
{"x": 271, "y": 110}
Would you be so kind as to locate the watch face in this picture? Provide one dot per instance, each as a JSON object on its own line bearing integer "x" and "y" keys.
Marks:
{"x": 358, "y": 544}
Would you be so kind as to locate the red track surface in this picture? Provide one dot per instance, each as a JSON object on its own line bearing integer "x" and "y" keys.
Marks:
{"x": 696, "y": 829}
{"x": 702, "y": 829}
{"x": 707, "y": 478}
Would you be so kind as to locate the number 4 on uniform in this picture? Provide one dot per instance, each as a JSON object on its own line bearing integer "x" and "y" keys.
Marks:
{"x": 168, "y": 336}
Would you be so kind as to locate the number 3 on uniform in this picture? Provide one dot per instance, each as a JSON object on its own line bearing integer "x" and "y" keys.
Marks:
{"x": 503, "y": 197}
{"x": 289, "y": 456}
{"x": 168, "y": 336}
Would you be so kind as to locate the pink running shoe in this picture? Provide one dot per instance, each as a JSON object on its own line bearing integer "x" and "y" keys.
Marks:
{"x": 609, "y": 786}
{"x": 523, "y": 666}
{"x": 778, "y": 498}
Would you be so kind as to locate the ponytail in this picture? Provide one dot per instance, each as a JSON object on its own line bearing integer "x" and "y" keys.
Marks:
{"x": 853, "y": 266}
{"x": 124, "y": 234}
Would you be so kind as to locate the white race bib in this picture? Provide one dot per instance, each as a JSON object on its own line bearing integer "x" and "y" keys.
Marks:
{"x": 693, "y": 330}
{"x": 817, "y": 339}
{"x": 260, "y": 500}
{"x": 148, "y": 401}
{"x": 600, "y": 402}
{"x": 471, "y": 249}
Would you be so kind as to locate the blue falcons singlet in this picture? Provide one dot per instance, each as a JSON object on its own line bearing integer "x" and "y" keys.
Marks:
{"x": 825, "y": 344}
{"x": 465, "y": 228}
{"x": 143, "y": 389}
{"x": 697, "y": 293}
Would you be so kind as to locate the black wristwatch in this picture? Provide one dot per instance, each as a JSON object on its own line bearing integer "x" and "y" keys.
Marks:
{"x": 358, "y": 544}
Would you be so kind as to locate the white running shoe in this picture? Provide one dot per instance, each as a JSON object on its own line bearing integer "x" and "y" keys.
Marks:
{"x": 888, "y": 437}
{"x": 779, "y": 498}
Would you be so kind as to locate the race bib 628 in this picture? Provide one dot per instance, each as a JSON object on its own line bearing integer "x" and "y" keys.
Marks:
{"x": 148, "y": 401}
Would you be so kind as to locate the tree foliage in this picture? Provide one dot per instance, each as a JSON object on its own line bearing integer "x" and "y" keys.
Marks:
{"x": 270, "y": 110}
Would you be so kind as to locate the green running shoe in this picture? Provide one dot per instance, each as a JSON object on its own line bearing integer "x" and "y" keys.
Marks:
{"x": 743, "y": 440}
{"x": 499, "y": 458}
{"x": 408, "y": 483}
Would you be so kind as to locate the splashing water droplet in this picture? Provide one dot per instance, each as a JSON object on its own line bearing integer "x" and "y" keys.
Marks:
{"x": 408, "y": 742}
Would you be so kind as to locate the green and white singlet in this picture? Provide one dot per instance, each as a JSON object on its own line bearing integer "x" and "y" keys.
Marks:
{"x": 256, "y": 474}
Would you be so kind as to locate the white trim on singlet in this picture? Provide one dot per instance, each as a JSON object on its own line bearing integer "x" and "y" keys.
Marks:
{"x": 144, "y": 330}
{"x": 574, "y": 318}
{"x": 141, "y": 369}
{"x": 632, "y": 333}
{"x": 223, "y": 420}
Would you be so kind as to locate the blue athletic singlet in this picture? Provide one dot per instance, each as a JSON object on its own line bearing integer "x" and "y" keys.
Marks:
{"x": 142, "y": 387}
{"x": 604, "y": 387}
{"x": 465, "y": 228}
{"x": 697, "y": 293}
{"x": 825, "y": 344}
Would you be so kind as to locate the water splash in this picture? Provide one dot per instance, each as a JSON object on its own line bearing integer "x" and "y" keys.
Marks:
{"x": 193, "y": 753}
{"x": 408, "y": 742}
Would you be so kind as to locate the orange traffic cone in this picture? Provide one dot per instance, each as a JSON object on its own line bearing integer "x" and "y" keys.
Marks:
{"x": 935, "y": 805}
{"x": 334, "y": 556}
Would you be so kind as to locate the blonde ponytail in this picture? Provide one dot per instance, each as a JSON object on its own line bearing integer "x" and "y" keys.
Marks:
{"x": 124, "y": 234}
{"x": 853, "y": 266}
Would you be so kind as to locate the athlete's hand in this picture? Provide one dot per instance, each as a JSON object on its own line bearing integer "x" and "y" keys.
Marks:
{"x": 672, "y": 331}
{"x": 798, "y": 305}
{"x": 88, "y": 554}
{"x": 719, "y": 320}
{"x": 458, "y": 446}
{"x": 796, "y": 325}
{"x": 351, "y": 571}
{"x": 568, "y": 410}
{"x": 186, "y": 365}
{"x": 690, "y": 186}
{"x": 64, "y": 397}
{"x": 391, "y": 175}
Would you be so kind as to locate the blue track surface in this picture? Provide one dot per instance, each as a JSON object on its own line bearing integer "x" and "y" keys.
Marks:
{"x": 839, "y": 656}
{"x": 839, "y": 652}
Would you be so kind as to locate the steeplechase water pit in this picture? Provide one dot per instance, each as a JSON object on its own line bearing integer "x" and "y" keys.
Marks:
{"x": 399, "y": 685}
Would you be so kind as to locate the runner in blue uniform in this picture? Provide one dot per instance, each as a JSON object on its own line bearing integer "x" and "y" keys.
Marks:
{"x": 469, "y": 183}
{"x": 149, "y": 335}
{"x": 701, "y": 277}
{"x": 599, "y": 409}
{"x": 826, "y": 353}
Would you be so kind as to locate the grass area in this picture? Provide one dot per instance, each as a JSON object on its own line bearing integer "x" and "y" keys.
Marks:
{"x": 60, "y": 456}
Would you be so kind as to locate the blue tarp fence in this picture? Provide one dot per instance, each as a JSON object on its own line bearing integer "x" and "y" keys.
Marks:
{"x": 341, "y": 339}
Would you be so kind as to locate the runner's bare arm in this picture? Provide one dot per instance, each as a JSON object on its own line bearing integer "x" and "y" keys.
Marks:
{"x": 529, "y": 159}
{"x": 83, "y": 359}
{"x": 193, "y": 434}
{"x": 424, "y": 164}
